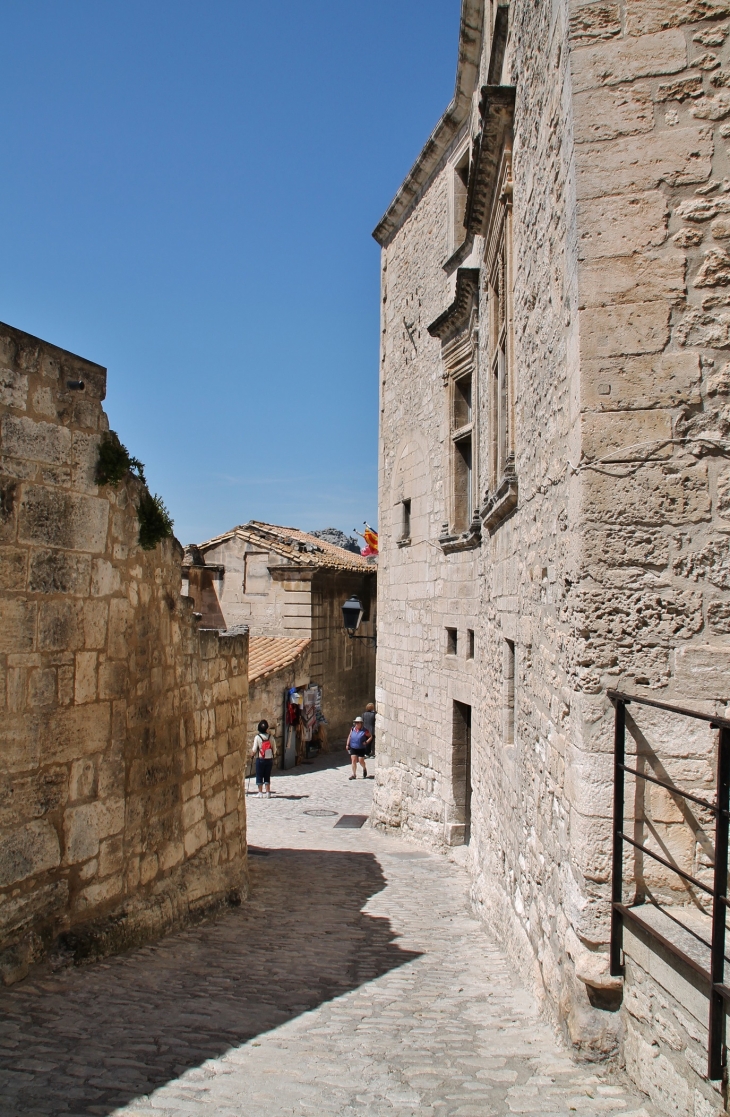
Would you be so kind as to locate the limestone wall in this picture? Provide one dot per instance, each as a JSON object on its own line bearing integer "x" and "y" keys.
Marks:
{"x": 648, "y": 599}
{"x": 249, "y": 594}
{"x": 610, "y": 573}
{"x": 122, "y": 727}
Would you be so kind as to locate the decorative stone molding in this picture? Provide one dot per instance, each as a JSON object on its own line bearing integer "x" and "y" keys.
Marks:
{"x": 448, "y": 127}
{"x": 464, "y": 541}
{"x": 456, "y": 317}
{"x": 499, "y": 504}
{"x": 496, "y": 109}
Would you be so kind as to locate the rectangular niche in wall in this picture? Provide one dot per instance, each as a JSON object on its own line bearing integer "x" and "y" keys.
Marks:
{"x": 405, "y": 524}
{"x": 461, "y": 765}
{"x": 459, "y": 192}
{"x": 508, "y": 701}
{"x": 462, "y": 483}
{"x": 257, "y": 578}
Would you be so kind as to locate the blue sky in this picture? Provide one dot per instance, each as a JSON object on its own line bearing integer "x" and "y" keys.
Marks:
{"x": 187, "y": 196}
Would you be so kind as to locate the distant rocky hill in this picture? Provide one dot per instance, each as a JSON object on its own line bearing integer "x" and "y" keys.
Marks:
{"x": 338, "y": 538}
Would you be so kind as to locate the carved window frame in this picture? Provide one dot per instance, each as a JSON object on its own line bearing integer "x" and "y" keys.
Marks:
{"x": 502, "y": 490}
{"x": 457, "y": 330}
{"x": 462, "y": 530}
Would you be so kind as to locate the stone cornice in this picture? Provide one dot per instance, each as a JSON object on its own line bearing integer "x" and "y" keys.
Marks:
{"x": 496, "y": 108}
{"x": 456, "y": 316}
{"x": 456, "y": 115}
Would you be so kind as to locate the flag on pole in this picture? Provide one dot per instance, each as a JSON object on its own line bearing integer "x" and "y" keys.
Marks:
{"x": 370, "y": 536}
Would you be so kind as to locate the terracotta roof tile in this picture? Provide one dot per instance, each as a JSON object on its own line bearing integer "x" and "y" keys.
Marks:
{"x": 297, "y": 546}
{"x": 267, "y": 654}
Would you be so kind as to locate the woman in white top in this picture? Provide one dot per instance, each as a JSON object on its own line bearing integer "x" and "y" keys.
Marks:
{"x": 263, "y": 751}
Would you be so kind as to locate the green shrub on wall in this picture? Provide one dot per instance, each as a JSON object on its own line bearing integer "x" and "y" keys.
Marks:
{"x": 155, "y": 522}
{"x": 112, "y": 466}
{"x": 115, "y": 462}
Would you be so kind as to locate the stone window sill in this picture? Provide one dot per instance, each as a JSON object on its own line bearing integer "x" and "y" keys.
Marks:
{"x": 405, "y": 542}
{"x": 463, "y": 541}
{"x": 501, "y": 503}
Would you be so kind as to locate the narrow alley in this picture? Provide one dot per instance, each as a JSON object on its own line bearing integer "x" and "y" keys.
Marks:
{"x": 354, "y": 981}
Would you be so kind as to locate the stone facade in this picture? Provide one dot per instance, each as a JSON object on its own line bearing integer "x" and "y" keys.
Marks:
{"x": 283, "y": 582}
{"x": 122, "y": 727}
{"x": 554, "y": 473}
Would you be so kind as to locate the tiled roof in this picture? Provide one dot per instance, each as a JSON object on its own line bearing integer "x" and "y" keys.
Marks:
{"x": 298, "y": 546}
{"x": 267, "y": 654}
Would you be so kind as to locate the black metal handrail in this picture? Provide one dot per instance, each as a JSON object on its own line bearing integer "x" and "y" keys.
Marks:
{"x": 719, "y": 992}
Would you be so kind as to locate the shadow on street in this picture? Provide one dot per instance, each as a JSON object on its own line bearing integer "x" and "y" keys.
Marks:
{"x": 89, "y": 1040}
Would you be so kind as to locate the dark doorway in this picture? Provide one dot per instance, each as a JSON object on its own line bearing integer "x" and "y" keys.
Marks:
{"x": 461, "y": 765}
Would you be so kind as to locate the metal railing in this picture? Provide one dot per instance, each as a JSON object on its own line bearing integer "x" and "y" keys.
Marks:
{"x": 719, "y": 992}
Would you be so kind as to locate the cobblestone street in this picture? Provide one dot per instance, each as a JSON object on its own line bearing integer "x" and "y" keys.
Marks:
{"x": 354, "y": 981}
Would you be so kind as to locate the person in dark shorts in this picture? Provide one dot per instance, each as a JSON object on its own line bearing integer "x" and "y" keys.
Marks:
{"x": 368, "y": 721}
{"x": 357, "y": 743}
{"x": 263, "y": 751}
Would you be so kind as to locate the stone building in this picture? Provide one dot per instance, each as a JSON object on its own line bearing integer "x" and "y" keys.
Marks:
{"x": 121, "y": 724}
{"x": 285, "y": 583}
{"x": 554, "y": 493}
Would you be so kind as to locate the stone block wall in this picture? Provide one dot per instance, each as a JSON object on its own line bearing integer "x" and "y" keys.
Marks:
{"x": 122, "y": 726}
{"x": 611, "y": 572}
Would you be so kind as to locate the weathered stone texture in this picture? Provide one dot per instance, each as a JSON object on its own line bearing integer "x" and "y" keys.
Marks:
{"x": 122, "y": 727}
{"x": 613, "y": 569}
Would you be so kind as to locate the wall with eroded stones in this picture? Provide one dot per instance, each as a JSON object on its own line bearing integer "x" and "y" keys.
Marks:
{"x": 122, "y": 727}
{"x": 612, "y": 570}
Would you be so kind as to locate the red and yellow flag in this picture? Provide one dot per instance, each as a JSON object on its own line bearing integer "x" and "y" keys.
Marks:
{"x": 370, "y": 536}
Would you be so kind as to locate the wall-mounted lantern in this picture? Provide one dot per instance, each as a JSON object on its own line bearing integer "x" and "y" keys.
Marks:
{"x": 352, "y": 612}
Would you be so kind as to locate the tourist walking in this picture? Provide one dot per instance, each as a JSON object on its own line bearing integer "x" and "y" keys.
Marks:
{"x": 263, "y": 752}
{"x": 368, "y": 721}
{"x": 357, "y": 743}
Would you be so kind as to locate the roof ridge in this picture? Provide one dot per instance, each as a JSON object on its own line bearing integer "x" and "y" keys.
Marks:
{"x": 275, "y": 537}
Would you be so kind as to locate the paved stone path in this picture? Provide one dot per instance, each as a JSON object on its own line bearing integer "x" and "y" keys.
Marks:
{"x": 355, "y": 981}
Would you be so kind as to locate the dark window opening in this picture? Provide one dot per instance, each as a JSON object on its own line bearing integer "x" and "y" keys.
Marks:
{"x": 500, "y": 436}
{"x": 469, "y": 643}
{"x": 452, "y": 641}
{"x": 462, "y": 402}
{"x": 462, "y": 483}
{"x": 405, "y": 529}
{"x": 461, "y": 766}
{"x": 509, "y": 692}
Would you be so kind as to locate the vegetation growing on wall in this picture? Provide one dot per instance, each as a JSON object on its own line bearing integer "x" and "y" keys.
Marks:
{"x": 155, "y": 522}
{"x": 112, "y": 466}
{"x": 115, "y": 462}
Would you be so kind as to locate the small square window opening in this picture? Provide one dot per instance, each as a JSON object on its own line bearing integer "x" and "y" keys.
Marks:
{"x": 452, "y": 642}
